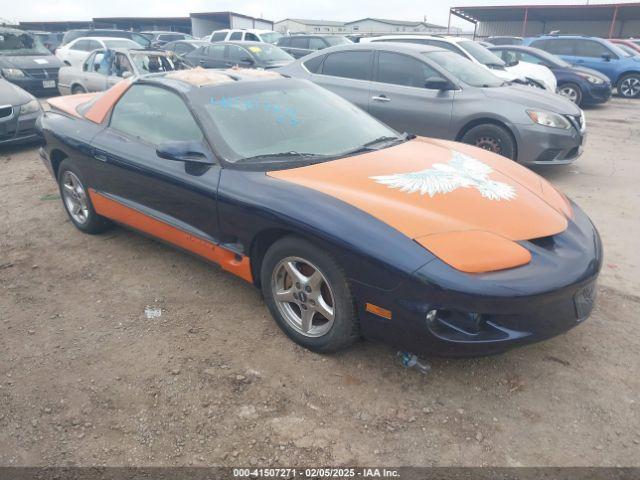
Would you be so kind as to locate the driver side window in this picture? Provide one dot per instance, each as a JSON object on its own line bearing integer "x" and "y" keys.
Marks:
{"x": 154, "y": 115}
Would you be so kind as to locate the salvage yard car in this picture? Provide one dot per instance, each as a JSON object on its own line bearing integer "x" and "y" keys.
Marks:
{"x": 27, "y": 63}
{"x": 104, "y": 68}
{"x": 348, "y": 227}
{"x": 520, "y": 72}
{"x": 583, "y": 86}
{"x": 243, "y": 54}
{"x": 18, "y": 113}
{"x": 75, "y": 52}
{"x": 433, "y": 92}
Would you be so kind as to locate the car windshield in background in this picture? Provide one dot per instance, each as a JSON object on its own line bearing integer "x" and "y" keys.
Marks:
{"x": 271, "y": 37}
{"x": 21, "y": 44}
{"x": 481, "y": 54}
{"x": 121, "y": 43}
{"x": 150, "y": 63}
{"x": 287, "y": 121}
{"x": 552, "y": 59}
{"x": 464, "y": 69}
{"x": 333, "y": 41}
{"x": 269, "y": 53}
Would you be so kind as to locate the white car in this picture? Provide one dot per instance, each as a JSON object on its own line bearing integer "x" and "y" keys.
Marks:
{"x": 74, "y": 53}
{"x": 244, "y": 35}
{"x": 523, "y": 72}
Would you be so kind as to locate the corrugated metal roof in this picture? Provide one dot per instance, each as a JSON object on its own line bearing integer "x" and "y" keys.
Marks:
{"x": 403, "y": 23}
{"x": 571, "y": 12}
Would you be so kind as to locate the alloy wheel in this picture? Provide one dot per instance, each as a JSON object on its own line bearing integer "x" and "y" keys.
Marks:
{"x": 570, "y": 92}
{"x": 75, "y": 197}
{"x": 630, "y": 87}
{"x": 303, "y": 296}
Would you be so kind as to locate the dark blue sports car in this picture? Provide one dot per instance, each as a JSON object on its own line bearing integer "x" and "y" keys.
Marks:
{"x": 583, "y": 86}
{"x": 349, "y": 228}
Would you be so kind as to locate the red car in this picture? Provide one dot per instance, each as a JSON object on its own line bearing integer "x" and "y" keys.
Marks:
{"x": 633, "y": 43}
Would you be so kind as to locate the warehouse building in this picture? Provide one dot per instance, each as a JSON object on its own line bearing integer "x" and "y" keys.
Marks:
{"x": 615, "y": 20}
{"x": 197, "y": 24}
{"x": 368, "y": 26}
{"x": 301, "y": 25}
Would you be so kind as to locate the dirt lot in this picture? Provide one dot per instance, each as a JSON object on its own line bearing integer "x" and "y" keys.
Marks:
{"x": 87, "y": 379}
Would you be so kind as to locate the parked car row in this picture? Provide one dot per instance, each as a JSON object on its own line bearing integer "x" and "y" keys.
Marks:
{"x": 617, "y": 59}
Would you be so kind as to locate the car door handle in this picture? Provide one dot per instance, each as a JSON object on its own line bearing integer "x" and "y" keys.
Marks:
{"x": 381, "y": 98}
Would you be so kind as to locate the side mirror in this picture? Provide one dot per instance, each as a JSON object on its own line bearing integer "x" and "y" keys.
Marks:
{"x": 184, "y": 151}
{"x": 84, "y": 67}
{"x": 606, "y": 57}
{"x": 513, "y": 63}
{"x": 438, "y": 83}
{"x": 127, "y": 74}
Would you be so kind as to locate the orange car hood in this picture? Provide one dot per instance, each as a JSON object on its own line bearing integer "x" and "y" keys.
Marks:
{"x": 426, "y": 187}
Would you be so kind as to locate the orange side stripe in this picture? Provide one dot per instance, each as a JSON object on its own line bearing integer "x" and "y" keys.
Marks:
{"x": 102, "y": 106}
{"x": 379, "y": 311}
{"x": 121, "y": 213}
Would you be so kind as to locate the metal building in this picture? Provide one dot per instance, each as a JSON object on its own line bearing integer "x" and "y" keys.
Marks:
{"x": 614, "y": 20}
{"x": 197, "y": 24}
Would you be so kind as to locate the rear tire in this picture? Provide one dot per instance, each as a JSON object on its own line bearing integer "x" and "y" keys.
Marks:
{"x": 308, "y": 296}
{"x": 76, "y": 200}
{"x": 76, "y": 89}
{"x": 629, "y": 85}
{"x": 572, "y": 92}
{"x": 493, "y": 138}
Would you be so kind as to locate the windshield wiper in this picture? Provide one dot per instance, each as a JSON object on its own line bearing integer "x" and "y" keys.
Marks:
{"x": 386, "y": 139}
{"x": 281, "y": 156}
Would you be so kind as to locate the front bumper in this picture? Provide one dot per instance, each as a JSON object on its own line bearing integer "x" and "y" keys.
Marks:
{"x": 596, "y": 94}
{"x": 36, "y": 87}
{"x": 540, "y": 145}
{"x": 552, "y": 294}
{"x": 18, "y": 128}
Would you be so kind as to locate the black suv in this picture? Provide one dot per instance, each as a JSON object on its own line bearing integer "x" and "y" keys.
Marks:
{"x": 301, "y": 45}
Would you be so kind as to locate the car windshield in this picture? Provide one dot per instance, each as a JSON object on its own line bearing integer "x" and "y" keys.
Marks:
{"x": 337, "y": 41}
{"x": 268, "y": 53}
{"x": 152, "y": 63}
{"x": 464, "y": 69}
{"x": 14, "y": 43}
{"x": 481, "y": 54}
{"x": 121, "y": 43}
{"x": 286, "y": 120}
{"x": 550, "y": 58}
{"x": 270, "y": 37}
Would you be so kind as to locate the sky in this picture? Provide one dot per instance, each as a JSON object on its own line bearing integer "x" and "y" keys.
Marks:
{"x": 345, "y": 10}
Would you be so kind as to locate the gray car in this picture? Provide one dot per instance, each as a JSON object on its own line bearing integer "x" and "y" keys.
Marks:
{"x": 18, "y": 113}
{"x": 433, "y": 92}
{"x": 104, "y": 68}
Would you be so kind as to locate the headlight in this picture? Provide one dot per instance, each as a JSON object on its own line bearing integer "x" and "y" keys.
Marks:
{"x": 591, "y": 79}
{"x": 549, "y": 119}
{"x": 10, "y": 73}
{"x": 30, "y": 107}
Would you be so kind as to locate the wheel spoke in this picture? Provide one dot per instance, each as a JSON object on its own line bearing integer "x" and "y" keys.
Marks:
{"x": 68, "y": 187}
{"x": 315, "y": 281}
{"x": 324, "y": 309}
{"x": 307, "y": 319}
{"x": 295, "y": 274}
{"x": 285, "y": 296}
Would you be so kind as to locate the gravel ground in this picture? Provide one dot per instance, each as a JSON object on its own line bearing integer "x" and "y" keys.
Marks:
{"x": 87, "y": 379}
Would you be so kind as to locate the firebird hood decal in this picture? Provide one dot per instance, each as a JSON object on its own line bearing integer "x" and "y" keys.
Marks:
{"x": 532, "y": 208}
{"x": 462, "y": 171}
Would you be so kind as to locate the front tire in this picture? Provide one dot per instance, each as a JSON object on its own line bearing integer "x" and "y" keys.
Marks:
{"x": 493, "y": 138}
{"x": 572, "y": 92}
{"x": 308, "y": 296}
{"x": 629, "y": 86}
{"x": 77, "y": 202}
